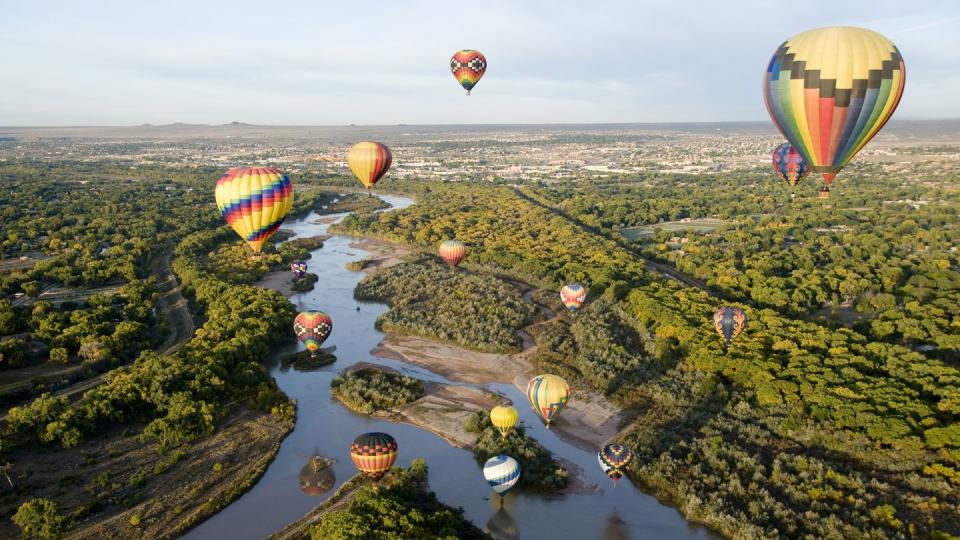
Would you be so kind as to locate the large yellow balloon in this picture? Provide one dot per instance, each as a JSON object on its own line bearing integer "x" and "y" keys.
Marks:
{"x": 504, "y": 417}
{"x": 369, "y": 161}
{"x": 548, "y": 395}
{"x": 254, "y": 201}
{"x": 830, "y": 90}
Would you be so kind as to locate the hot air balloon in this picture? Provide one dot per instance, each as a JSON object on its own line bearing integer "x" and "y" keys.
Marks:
{"x": 614, "y": 459}
{"x": 254, "y": 202}
{"x": 548, "y": 394}
{"x": 374, "y": 454}
{"x": 572, "y": 295}
{"x": 312, "y": 329}
{"x": 502, "y": 473}
{"x": 317, "y": 476}
{"x": 299, "y": 268}
{"x": 789, "y": 164}
{"x": 504, "y": 417}
{"x": 369, "y": 161}
{"x": 452, "y": 251}
{"x": 830, "y": 90}
{"x": 730, "y": 322}
{"x": 467, "y": 67}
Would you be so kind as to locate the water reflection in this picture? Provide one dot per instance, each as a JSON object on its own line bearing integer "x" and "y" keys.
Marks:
{"x": 615, "y": 528}
{"x": 317, "y": 476}
{"x": 502, "y": 526}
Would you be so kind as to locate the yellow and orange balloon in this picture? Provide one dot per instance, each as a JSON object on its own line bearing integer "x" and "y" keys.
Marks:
{"x": 254, "y": 201}
{"x": 830, "y": 90}
{"x": 369, "y": 161}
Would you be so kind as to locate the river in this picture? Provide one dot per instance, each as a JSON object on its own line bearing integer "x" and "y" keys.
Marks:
{"x": 326, "y": 427}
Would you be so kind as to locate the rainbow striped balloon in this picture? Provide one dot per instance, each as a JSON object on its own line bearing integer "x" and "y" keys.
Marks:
{"x": 374, "y": 454}
{"x": 502, "y": 473}
{"x": 548, "y": 394}
{"x": 452, "y": 251}
{"x": 573, "y": 295}
{"x": 830, "y": 90}
{"x": 254, "y": 202}
{"x": 467, "y": 67}
{"x": 369, "y": 161}
{"x": 312, "y": 328}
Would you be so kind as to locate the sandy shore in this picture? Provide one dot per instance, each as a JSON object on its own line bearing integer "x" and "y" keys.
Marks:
{"x": 383, "y": 254}
{"x": 444, "y": 410}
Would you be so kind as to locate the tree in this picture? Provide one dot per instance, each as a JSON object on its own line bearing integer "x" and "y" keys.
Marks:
{"x": 31, "y": 288}
{"x": 59, "y": 355}
{"x": 39, "y": 518}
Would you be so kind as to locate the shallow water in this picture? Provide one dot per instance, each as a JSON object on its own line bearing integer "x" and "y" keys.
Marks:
{"x": 326, "y": 427}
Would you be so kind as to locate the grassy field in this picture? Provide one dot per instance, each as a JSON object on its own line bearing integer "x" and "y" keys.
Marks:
{"x": 634, "y": 233}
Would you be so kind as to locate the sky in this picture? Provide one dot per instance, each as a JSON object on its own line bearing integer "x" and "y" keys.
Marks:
{"x": 361, "y": 62}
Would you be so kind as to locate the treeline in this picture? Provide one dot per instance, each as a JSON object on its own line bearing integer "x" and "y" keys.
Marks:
{"x": 369, "y": 390}
{"x": 429, "y": 299}
{"x": 871, "y": 415}
{"x": 538, "y": 470}
{"x": 403, "y": 507}
{"x": 183, "y": 395}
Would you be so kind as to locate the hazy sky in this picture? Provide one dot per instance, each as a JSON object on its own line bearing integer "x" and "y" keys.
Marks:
{"x": 365, "y": 62}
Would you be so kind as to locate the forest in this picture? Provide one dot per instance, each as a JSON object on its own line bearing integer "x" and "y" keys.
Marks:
{"x": 538, "y": 470}
{"x": 429, "y": 299}
{"x": 402, "y": 508}
{"x": 828, "y": 429}
{"x": 369, "y": 390}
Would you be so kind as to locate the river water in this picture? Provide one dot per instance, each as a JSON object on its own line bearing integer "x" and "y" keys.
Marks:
{"x": 326, "y": 427}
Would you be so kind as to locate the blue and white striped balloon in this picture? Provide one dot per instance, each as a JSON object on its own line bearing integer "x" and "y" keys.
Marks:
{"x": 501, "y": 472}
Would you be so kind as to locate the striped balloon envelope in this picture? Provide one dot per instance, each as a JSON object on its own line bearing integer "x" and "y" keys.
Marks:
{"x": 299, "y": 268}
{"x": 312, "y": 328}
{"x": 468, "y": 66}
{"x": 254, "y": 201}
{"x": 573, "y": 295}
{"x": 729, "y": 322}
{"x": 789, "y": 165}
{"x": 369, "y": 161}
{"x": 614, "y": 459}
{"x": 374, "y": 454}
{"x": 548, "y": 395}
{"x": 452, "y": 251}
{"x": 830, "y": 90}
{"x": 502, "y": 473}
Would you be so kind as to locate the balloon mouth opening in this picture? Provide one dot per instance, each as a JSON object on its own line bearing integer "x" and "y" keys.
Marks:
{"x": 828, "y": 177}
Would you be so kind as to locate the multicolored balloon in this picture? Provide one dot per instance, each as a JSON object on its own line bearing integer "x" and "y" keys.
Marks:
{"x": 312, "y": 329}
{"x": 452, "y": 251}
{"x": 369, "y": 161}
{"x": 467, "y": 67}
{"x": 504, "y": 417}
{"x": 374, "y": 454}
{"x": 730, "y": 322}
{"x": 573, "y": 295}
{"x": 299, "y": 268}
{"x": 502, "y": 473}
{"x": 614, "y": 459}
{"x": 830, "y": 90}
{"x": 548, "y": 394}
{"x": 317, "y": 476}
{"x": 789, "y": 164}
{"x": 254, "y": 202}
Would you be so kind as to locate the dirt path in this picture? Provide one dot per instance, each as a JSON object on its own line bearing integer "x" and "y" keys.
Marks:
{"x": 171, "y": 303}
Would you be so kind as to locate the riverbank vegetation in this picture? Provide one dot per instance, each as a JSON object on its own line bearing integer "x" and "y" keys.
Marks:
{"x": 803, "y": 428}
{"x": 402, "y": 507}
{"x": 538, "y": 470}
{"x": 369, "y": 390}
{"x": 432, "y": 300}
